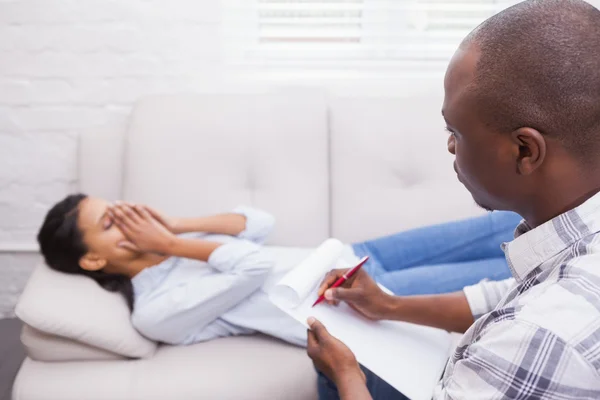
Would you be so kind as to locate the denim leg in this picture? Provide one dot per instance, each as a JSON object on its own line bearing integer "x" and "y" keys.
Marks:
{"x": 443, "y": 278}
{"x": 460, "y": 241}
{"x": 378, "y": 388}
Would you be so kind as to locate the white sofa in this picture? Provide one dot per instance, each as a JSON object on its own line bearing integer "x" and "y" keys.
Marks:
{"x": 349, "y": 167}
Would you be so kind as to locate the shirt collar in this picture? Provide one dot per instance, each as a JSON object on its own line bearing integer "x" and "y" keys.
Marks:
{"x": 532, "y": 247}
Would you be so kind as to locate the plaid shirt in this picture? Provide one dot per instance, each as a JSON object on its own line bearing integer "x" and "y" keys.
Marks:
{"x": 537, "y": 335}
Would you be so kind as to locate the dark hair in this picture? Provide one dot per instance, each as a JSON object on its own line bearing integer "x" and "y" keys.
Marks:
{"x": 61, "y": 244}
{"x": 539, "y": 67}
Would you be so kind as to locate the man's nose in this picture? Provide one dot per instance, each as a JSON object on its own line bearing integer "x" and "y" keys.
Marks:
{"x": 451, "y": 145}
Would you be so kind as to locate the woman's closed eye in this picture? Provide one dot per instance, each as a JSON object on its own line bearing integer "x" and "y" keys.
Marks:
{"x": 108, "y": 223}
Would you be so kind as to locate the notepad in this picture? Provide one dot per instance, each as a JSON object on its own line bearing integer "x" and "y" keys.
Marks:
{"x": 409, "y": 357}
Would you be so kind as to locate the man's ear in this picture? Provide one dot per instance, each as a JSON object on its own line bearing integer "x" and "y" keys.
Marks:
{"x": 531, "y": 149}
{"x": 92, "y": 262}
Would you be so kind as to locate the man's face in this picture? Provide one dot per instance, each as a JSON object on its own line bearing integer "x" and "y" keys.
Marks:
{"x": 485, "y": 160}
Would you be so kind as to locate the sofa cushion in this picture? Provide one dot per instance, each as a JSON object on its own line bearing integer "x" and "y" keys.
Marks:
{"x": 234, "y": 368}
{"x": 77, "y": 308}
{"x": 189, "y": 155}
{"x": 390, "y": 167}
{"x": 42, "y": 346}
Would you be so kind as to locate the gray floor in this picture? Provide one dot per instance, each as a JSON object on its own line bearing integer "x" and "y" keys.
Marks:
{"x": 11, "y": 355}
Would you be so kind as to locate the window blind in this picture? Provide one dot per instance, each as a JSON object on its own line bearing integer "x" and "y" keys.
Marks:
{"x": 353, "y": 33}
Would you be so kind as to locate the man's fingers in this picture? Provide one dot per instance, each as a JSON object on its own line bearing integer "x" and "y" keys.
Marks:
{"x": 312, "y": 342}
{"x": 343, "y": 294}
{"x": 330, "y": 279}
{"x": 354, "y": 277}
{"x": 327, "y": 281}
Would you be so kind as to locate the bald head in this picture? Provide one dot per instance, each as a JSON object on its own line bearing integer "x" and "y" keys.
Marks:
{"x": 539, "y": 67}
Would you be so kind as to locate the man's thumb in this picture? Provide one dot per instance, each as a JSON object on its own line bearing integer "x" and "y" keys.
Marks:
{"x": 318, "y": 328}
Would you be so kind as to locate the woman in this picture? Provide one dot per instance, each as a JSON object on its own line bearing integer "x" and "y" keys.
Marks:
{"x": 195, "y": 279}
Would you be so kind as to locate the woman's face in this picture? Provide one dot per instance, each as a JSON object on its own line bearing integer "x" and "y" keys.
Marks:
{"x": 102, "y": 238}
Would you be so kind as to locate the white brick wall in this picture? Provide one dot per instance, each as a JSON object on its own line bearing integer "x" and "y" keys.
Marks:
{"x": 66, "y": 65}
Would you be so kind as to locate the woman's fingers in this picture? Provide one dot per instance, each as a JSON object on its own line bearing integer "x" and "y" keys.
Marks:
{"x": 124, "y": 217}
{"x": 155, "y": 214}
{"x": 126, "y": 213}
{"x": 144, "y": 213}
{"x": 130, "y": 213}
{"x": 126, "y": 244}
{"x": 127, "y": 230}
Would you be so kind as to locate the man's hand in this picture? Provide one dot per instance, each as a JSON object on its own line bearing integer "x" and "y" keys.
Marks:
{"x": 143, "y": 232}
{"x": 360, "y": 292}
{"x": 330, "y": 356}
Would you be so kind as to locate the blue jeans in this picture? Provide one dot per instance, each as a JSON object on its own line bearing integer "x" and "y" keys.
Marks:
{"x": 441, "y": 258}
{"x": 378, "y": 388}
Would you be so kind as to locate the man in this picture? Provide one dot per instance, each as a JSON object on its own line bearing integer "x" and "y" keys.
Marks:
{"x": 522, "y": 104}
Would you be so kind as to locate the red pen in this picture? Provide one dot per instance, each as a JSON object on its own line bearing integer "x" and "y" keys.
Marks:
{"x": 344, "y": 278}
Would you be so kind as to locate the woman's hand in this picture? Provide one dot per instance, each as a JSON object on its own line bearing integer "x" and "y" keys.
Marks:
{"x": 143, "y": 232}
{"x": 360, "y": 292}
{"x": 168, "y": 222}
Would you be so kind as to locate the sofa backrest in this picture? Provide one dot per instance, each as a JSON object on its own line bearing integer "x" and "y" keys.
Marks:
{"x": 390, "y": 167}
{"x": 189, "y": 155}
{"x": 354, "y": 167}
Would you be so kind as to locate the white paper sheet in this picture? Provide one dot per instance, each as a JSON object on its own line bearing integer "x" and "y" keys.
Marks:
{"x": 297, "y": 284}
{"x": 409, "y": 357}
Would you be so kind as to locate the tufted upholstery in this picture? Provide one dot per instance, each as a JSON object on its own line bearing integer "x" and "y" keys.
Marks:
{"x": 390, "y": 167}
{"x": 208, "y": 153}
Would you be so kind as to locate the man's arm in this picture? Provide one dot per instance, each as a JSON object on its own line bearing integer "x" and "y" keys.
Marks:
{"x": 450, "y": 312}
{"x": 337, "y": 362}
{"x": 352, "y": 387}
{"x": 446, "y": 311}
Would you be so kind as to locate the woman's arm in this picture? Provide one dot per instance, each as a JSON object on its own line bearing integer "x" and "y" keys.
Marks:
{"x": 177, "y": 314}
{"x": 225, "y": 224}
{"x": 247, "y": 222}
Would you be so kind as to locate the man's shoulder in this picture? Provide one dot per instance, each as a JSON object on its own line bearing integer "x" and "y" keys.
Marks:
{"x": 565, "y": 309}
{"x": 565, "y": 303}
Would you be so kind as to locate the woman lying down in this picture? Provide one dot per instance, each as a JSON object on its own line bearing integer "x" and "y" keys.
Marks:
{"x": 194, "y": 279}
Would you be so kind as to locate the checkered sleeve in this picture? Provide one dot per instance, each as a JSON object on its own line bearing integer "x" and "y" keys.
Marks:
{"x": 518, "y": 359}
{"x": 486, "y": 295}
